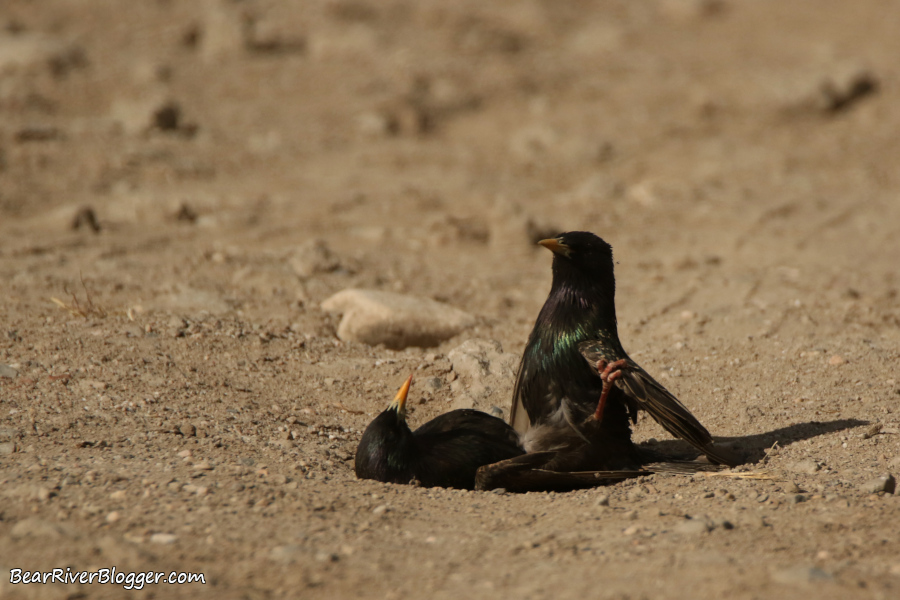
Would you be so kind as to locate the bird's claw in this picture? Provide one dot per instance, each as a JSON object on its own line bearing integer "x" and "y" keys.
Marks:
{"x": 609, "y": 373}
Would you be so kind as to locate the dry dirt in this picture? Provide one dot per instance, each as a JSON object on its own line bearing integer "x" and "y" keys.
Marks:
{"x": 185, "y": 404}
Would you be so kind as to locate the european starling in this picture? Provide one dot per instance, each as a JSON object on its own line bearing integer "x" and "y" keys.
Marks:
{"x": 445, "y": 452}
{"x": 577, "y": 388}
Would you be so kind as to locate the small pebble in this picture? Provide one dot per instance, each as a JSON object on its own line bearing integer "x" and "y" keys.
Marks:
{"x": 203, "y": 465}
{"x": 113, "y": 517}
{"x": 163, "y": 538}
{"x": 884, "y": 483}
{"x": 801, "y": 575}
{"x": 692, "y": 527}
{"x": 836, "y": 360}
{"x": 807, "y": 466}
{"x": 603, "y": 500}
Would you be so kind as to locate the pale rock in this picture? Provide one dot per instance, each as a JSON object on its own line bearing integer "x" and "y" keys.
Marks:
{"x": 395, "y": 320}
{"x": 27, "y": 50}
{"x": 38, "y": 528}
{"x": 883, "y": 483}
{"x": 800, "y": 574}
{"x": 807, "y": 466}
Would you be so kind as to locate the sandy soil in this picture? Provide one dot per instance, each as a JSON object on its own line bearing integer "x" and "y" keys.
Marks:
{"x": 186, "y": 404}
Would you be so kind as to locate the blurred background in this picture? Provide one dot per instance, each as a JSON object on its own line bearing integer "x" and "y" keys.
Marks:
{"x": 182, "y": 184}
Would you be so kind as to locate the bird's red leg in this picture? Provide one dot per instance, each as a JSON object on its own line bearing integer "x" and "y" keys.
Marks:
{"x": 609, "y": 372}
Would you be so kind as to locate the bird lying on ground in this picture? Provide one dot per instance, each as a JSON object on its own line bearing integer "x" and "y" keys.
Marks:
{"x": 444, "y": 452}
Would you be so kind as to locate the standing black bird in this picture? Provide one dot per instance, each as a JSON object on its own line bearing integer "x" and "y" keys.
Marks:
{"x": 577, "y": 388}
{"x": 445, "y": 452}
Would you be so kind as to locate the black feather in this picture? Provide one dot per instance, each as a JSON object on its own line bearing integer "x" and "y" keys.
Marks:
{"x": 445, "y": 452}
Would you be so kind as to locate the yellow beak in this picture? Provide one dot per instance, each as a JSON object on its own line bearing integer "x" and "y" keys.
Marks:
{"x": 555, "y": 246}
{"x": 399, "y": 402}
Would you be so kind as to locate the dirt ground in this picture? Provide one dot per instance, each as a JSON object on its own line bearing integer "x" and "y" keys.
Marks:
{"x": 190, "y": 180}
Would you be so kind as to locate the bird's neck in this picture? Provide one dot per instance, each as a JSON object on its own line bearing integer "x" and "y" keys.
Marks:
{"x": 589, "y": 307}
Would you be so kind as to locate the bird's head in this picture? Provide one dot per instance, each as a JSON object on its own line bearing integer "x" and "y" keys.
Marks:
{"x": 398, "y": 404}
{"x": 580, "y": 251}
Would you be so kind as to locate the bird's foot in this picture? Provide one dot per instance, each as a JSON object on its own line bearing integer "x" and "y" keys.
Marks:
{"x": 609, "y": 372}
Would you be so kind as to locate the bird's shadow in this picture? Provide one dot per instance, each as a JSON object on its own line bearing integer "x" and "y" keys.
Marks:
{"x": 753, "y": 447}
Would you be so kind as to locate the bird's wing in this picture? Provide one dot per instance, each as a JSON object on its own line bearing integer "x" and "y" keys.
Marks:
{"x": 518, "y": 414}
{"x": 473, "y": 421}
{"x": 664, "y": 407}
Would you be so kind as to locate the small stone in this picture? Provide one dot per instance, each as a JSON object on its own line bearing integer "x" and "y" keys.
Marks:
{"x": 603, "y": 500}
{"x": 762, "y": 497}
{"x": 201, "y": 490}
{"x": 313, "y": 258}
{"x": 836, "y": 360}
{"x": 287, "y": 554}
{"x": 203, "y": 465}
{"x": 634, "y": 495}
{"x": 113, "y": 517}
{"x": 88, "y": 385}
{"x": 883, "y": 483}
{"x": 800, "y": 574}
{"x": 43, "y": 494}
{"x": 807, "y": 466}
{"x": 185, "y": 454}
{"x": 395, "y": 320}
{"x": 25, "y": 51}
{"x": 380, "y": 510}
{"x": 163, "y": 538}
{"x": 796, "y": 498}
{"x": 38, "y": 529}
{"x": 147, "y": 112}
{"x": 8, "y": 371}
{"x": 7, "y": 448}
{"x": 631, "y": 530}
{"x": 873, "y": 430}
{"x": 118, "y": 495}
{"x": 792, "y": 488}
{"x": 693, "y": 527}
{"x": 188, "y": 430}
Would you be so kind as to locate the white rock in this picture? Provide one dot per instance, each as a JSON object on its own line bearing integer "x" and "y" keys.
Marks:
{"x": 163, "y": 538}
{"x": 397, "y": 321}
